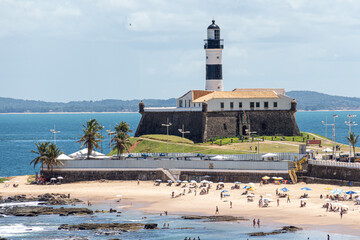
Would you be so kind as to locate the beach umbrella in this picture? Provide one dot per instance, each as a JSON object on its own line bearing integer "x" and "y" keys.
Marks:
{"x": 158, "y": 180}
{"x": 304, "y": 199}
{"x": 185, "y": 181}
{"x": 226, "y": 195}
{"x": 204, "y": 181}
{"x": 285, "y": 189}
{"x": 336, "y": 191}
{"x": 206, "y": 176}
{"x": 246, "y": 187}
{"x": 251, "y": 195}
{"x": 224, "y": 191}
{"x": 306, "y": 189}
{"x": 274, "y": 177}
{"x": 53, "y": 179}
{"x": 169, "y": 181}
{"x": 220, "y": 183}
{"x": 251, "y": 183}
{"x": 193, "y": 181}
{"x": 268, "y": 200}
{"x": 328, "y": 188}
{"x": 178, "y": 181}
{"x": 265, "y": 177}
{"x": 279, "y": 178}
{"x": 210, "y": 182}
{"x": 237, "y": 182}
{"x": 327, "y": 150}
{"x": 350, "y": 192}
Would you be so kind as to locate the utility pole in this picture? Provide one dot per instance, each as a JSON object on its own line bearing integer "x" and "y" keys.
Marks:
{"x": 167, "y": 125}
{"x": 183, "y": 132}
{"x": 326, "y": 124}
{"x": 54, "y": 132}
{"x": 334, "y": 150}
{"x": 350, "y": 123}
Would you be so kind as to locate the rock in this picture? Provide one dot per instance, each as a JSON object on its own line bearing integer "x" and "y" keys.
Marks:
{"x": 47, "y": 199}
{"x": 215, "y": 218}
{"x": 104, "y": 226}
{"x": 39, "y": 210}
{"x": 284, "y": 229}
{"x": 150, "y": 226}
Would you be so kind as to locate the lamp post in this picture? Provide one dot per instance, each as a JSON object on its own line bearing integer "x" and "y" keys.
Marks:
{"x": 54, "y": 132}
{"x": 326, "y": 124}
{"x": 110, "y": 133}
{"x": 183, "y": 132}
{"x": 350, "y": 123}
{"x": 167, "y": 125}
{"x": 334, "y": 151}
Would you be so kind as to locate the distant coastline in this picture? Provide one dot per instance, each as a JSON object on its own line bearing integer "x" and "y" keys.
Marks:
{"x": 60, "y": 113}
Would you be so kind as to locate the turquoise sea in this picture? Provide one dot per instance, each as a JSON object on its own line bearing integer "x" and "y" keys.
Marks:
{"x": 18, "y": 132}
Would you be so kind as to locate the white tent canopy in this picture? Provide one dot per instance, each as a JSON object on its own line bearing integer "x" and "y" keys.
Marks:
{"x": 83, "y": 154}
{"x": 327, "y": 150}
{"x": 218, "y": 157}
{"x": 64, "y": 157}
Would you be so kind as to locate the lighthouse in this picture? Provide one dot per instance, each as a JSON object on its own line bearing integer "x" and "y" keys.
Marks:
{"x": 213, "y": 48}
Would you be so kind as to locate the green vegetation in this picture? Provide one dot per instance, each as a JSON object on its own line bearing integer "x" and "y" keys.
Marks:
{"x": 3, "y": 180}
{"x": 121, "y": 141}
{"x": 91, "y": 137}
{"x": 353, "y": 139}
{"x": 47, "y": 153}
{"x": 172, "y": 138}
{"x": 31, "y": 179}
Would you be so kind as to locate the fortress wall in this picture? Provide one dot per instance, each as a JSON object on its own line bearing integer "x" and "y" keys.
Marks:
{"x": 273, "y": 123}
{"x": 333, "y": 173}
{"x": 150, "y": 123}
{"x": 206, "y": 125}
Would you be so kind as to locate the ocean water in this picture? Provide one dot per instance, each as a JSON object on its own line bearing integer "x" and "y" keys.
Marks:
{"x": 18, "y": 132}
{"x": 46, "y": 227}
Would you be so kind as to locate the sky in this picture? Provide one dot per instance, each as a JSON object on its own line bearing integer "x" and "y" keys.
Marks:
{"x": 127, "y": 49}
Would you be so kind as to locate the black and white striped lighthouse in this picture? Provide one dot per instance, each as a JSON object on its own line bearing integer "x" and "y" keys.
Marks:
{"x": 213, "y": 48}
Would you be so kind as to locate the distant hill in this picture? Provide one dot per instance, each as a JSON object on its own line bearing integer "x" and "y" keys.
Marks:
{"x": 10, "y": 105}
{"x": 309, "y": 100}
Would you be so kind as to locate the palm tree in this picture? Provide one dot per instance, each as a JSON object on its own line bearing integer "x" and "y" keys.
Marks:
{"x": 123, "y": 127}
{"x": 52, "y": 153}
{"x": 121, "y": 142}
{"x": 352, "y": 138}
{"x": 42, "y": 153}
{"x": 91, "y": 137}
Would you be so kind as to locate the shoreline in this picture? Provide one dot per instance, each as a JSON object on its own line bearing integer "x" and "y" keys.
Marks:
{"x": 151, "y": 199}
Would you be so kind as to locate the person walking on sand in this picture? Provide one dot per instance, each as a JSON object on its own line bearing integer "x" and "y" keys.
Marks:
{"x": 138, "y": 182}
{"x": 217, "y": 210}
{"x": 230, "y": 204}
{"x": 341, "y": 214}
{"x": 278, "y": 202}
{"x": 288, "y": 199}
{"x": 328, "y": 237}
{"x": 254, "y": 222}
{"x": 258, "y": 222}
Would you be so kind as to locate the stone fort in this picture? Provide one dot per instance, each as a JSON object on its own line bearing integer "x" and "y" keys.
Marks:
{"x": 201, "y": 115}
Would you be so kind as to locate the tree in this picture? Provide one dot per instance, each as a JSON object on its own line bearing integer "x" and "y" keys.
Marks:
{"x": 42, "y": 153}
{"x": 121, "y": 142}
{"x": 123, "y": 127}
{"x": 91, "y": 137}
{"x": 52, "y": 153}
{"x": 353, "y": 139}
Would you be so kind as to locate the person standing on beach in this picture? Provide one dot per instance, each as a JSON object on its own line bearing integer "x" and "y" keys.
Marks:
{"x": 341, "y": 214}
{"x": 230, "y": 204}
{"x": 328, "y": 237}
{"x": 288, "y": 199}
{"x": 258, "y": 222}
{"x": 254, "y": 222}
{"x": 217, "y": 210}
{"x": 138, "y": 182}
{"x": 278, "y": 202}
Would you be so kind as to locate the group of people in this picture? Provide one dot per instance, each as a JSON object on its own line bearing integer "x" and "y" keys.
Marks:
{"x": 189, "y": 238}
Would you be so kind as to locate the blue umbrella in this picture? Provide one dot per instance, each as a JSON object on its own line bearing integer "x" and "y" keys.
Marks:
{"x": 350, "y": 192}
{"x": 306, "y": 189}
{"x": 246, "y": 187}
{"x": 224, "y": 190}
{"x": 285, "y": 189}
{"x": 226, "y": 195}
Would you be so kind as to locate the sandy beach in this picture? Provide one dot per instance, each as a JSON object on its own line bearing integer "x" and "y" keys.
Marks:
{"x": 157, "y": 199}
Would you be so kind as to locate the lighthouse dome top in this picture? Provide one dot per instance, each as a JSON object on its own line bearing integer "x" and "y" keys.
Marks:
{"x": 213, "y": 25}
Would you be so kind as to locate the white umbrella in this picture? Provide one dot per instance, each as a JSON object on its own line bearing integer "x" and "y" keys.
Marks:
{"x": 237, "y": 182}
{"x": 327, "y": 150}
{"x": 60, "y": 177}
{"x": 64, "y": 157}
{"x": 158, "y": 180}
{"x": 193, "y": 181}
{"x": 218, "y": 157}
{"x": 185, "y": 181}
{"x": 251, "y": 183}
{"x": 304, "y": 199}
{"x": 169, "y": 181}
{"x": 220, "y": 183}
{"x": 204, "y": 181}
{"x": 268, "y": 200}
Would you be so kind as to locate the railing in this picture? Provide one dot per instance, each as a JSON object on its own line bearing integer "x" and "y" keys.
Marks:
{"x": 334, "y": 163}
{"x": 173, "y": 109}
{"x": 228, "y": 157}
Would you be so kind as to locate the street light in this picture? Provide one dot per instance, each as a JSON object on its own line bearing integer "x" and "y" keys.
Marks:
{"x": 110, "y": 133}
{"x": 54, "y": 132}
{"x": 167, "y": 125}
{"x": 350, "y": 123}
{"x": 333, "y": 134}
{"x": 334, "y": 151}
{"x": 183, "y": 132}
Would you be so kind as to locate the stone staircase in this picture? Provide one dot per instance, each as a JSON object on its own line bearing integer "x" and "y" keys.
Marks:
{"x": 169, "y": 174}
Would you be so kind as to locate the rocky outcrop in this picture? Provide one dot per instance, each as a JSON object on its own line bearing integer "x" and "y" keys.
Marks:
{"x": 123, "y": 227}
{"x": 215, "y": 218}
{"x": 284, "y": 229}
{"x": 39, "y": 210}
{"x": 46, "y": 199}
